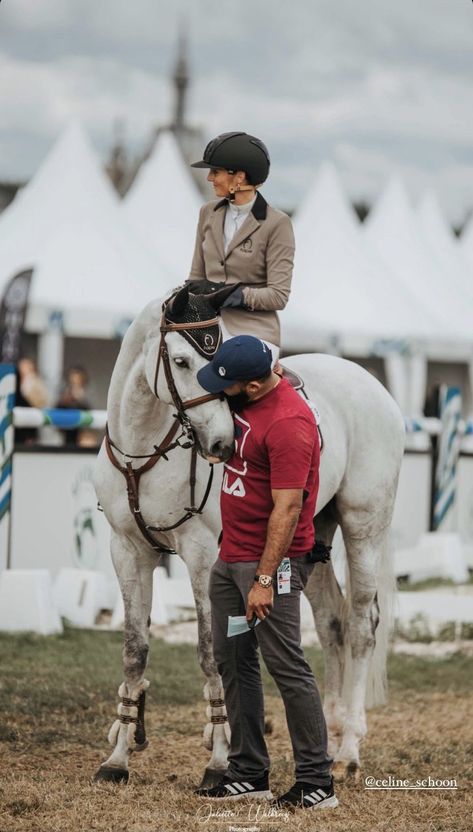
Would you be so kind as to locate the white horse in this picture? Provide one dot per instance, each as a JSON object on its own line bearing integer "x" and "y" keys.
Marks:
{"x": 363, "y": 435}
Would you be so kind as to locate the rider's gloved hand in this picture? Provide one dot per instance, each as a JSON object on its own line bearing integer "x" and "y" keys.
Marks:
{"x": 235, "y": 300}
{"x": 203, "y": 287}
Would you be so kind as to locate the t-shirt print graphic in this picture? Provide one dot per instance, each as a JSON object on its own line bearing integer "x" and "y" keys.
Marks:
{"x": 232, "y": 479}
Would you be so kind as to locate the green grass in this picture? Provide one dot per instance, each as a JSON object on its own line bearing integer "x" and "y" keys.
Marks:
{"x": 77, "y": 674}
{"x": 58, "y": 699}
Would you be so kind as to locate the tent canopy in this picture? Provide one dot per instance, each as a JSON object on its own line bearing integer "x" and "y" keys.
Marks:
{"x": 392, "y": 230}
{"x": 445, "y": 246}
{"x": 340, "y": 287}
{"x": 67, "y": 225}
{"x": 162, "y": 206}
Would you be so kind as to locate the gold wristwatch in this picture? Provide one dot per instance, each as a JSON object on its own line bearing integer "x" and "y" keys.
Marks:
{"x": 264, "y": 580}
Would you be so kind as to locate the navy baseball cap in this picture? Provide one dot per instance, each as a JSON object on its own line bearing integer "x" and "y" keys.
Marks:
{"x": 243, "y": 358}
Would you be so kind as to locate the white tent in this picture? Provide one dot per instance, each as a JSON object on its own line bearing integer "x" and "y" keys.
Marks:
{"x": 340, "y": 288}
{"x": 67, "y": 225}
{"x": 163, "y": 205}
{"x": 445, "y": 247}
{"x": 392, "y": 230}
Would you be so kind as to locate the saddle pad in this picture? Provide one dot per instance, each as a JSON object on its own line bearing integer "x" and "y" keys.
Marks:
{"x": 292, "y": 377}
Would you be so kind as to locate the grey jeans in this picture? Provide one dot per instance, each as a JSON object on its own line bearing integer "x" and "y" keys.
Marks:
{"x": 279, "y": 638}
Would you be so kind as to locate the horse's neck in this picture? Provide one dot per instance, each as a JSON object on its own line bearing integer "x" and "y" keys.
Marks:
{"x": 136, "y": 419}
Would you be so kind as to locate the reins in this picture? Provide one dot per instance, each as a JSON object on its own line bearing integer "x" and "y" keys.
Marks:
{"x": 133, "y": 475}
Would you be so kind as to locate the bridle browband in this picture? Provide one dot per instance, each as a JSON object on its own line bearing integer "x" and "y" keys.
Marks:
{"x": 163, "y": 355}
{"x": 133, "y": 475}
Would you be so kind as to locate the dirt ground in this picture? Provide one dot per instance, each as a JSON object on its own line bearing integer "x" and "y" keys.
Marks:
{"x": 50, "y": 749}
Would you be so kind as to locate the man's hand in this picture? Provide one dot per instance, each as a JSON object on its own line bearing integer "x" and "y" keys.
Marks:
{"x": 259, "y": 602}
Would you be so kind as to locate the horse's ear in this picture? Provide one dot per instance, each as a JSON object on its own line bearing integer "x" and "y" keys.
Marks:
{"x": 216, "y": 299}
{"x": 178, "y": 304}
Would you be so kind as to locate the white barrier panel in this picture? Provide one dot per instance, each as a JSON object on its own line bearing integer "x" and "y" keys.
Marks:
{"x": 463, "y": 507}
{"x": 26, "y": 602}
{"x": 435, "y": 606}
{"x": 437, "y": 555}
{"x": 80, "y": 595}
{"x": 412, "y": 508}
{"x": 55, "y": 521}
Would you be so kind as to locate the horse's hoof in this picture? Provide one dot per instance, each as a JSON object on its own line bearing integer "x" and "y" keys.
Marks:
{"x": 346, "y": 771}
{"x": 111, "y": 775}
{"x": 353, "y": 772}
{"x": 211, "y": 778}
{"x": 338, "y": 771}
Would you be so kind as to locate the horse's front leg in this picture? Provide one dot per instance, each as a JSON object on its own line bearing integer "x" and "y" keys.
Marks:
{"x": 199, "y": 559}
{"x": 134, "y": 570}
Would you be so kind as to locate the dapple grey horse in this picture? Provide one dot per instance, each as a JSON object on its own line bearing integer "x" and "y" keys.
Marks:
{"x": 363, "y": 436}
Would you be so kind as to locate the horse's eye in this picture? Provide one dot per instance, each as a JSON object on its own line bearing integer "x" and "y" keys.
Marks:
{"x": 181, "y": 362}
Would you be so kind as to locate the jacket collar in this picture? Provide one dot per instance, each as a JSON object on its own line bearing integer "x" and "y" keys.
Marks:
{"x": 259, "y": 209}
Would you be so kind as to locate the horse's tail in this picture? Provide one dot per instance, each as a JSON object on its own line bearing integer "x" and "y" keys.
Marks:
{"x": 377, "y": 684}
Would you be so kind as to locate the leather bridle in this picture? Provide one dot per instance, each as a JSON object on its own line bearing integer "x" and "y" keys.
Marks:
{"x": 133, "y": 475}
{"x": 163, "y": 356}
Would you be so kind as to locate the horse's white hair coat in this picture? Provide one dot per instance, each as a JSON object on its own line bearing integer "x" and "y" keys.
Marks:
{"x": 363, "y": 434}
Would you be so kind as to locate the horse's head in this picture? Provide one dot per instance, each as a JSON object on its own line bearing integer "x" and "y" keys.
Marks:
{"x": 190, "y": 336}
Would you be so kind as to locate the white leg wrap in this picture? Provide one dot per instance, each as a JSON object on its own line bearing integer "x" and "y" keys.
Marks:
{"x": 208, "y": 736}
{"x": 113, "y": 733}
{"x": 216, "y": 712}
{"x": 127, "y": 713}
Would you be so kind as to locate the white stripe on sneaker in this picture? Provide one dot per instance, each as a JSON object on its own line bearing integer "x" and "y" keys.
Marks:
{"x": 309, "y": 798}
{"x": 249, "y": 786}
{"x": 322, "y": 793}
{"x": 231, "y": 789}
{"x": 239, "y": 786}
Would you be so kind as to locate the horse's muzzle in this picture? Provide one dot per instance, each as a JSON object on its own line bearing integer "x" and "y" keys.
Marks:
{"x": 219, "y": 452}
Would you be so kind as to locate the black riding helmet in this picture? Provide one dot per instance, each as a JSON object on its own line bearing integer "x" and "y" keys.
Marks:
{"x": 237, "y": 151}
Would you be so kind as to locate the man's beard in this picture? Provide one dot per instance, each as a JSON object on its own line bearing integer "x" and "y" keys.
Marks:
{"x": 238, "y": 403}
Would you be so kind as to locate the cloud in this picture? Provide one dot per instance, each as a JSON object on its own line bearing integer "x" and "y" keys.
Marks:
{"x": 313, "y": 78}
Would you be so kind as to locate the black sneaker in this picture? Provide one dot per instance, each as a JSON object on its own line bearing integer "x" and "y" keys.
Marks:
{"x": 308, "y": 796}
{"x": 237, "y": 789}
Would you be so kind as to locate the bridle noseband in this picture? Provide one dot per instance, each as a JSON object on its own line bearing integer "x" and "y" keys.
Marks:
{"x": 133, "y": 475}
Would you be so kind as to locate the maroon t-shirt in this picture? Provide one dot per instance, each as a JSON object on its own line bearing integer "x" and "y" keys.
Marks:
{"x": 276, "y": 446}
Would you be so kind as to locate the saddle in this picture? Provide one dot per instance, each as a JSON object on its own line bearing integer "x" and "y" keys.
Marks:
{"x": 297, "y": 382}
{"x": 289, "y": 375}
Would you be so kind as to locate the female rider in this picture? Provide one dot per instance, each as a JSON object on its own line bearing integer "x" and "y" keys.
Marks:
{"x": 243, "y": 240}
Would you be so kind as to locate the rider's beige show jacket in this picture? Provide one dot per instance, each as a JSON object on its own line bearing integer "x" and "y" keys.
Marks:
{"x": 260, "y": 256}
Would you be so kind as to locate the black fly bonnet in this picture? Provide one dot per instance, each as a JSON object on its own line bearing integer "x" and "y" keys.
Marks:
{"x": 206, "y": 340}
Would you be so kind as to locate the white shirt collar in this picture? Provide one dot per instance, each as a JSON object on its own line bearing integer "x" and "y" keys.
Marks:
{"x": 242, "y": 209}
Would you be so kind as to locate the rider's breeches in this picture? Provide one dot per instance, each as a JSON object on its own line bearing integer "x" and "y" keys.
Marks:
{"x": 274, "y": 349}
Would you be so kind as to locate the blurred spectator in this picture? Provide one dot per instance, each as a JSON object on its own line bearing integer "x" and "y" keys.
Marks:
{"x": 31, "y": 391}
{"x": 32, "y": 385}
{"x": 74, "y": 397}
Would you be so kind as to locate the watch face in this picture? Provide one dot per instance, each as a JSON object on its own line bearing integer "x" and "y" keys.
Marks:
{"x": 265, "y": 580}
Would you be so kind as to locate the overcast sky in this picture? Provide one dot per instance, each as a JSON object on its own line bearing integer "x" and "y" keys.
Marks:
{"x": 375, "y": 85}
